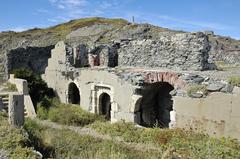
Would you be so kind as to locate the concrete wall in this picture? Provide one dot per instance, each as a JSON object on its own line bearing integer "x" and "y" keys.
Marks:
{"x": 22, "y": 87}
{"x": 217, "y": 114}
{"x": 16, "y": 109}
{"x": 21, "y": 84}
{"x": 91, "y": 84}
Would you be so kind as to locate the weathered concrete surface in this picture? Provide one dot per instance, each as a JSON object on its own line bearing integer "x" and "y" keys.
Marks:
{"x": 16, "y": 109}
{"x": 217, "y": 114}
{"x": 92, "y": 83}
{"x": 22, "y": 88}
{"x": 29, "y": 108}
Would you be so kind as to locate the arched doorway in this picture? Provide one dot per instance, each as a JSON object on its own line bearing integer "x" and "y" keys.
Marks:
{"x": 155, "y": 105}
{"x": 73, "y": 94}
{"x": 105, "y": 105}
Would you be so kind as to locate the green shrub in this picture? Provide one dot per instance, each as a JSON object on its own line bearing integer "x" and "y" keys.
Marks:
{"x": 72, "y": 115}
{"x": 52, "y": 109}
{"x": 42, "y": 113}
{"x": 234, "y": 80}
{"x": 13, "y": 140}
{"x": 44, "y": 105}
{"x": 38, "y": 88}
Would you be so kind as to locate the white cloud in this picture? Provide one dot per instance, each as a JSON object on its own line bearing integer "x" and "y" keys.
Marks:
{"x": 60, "y": 6}
{"x": 20, "y": 29}
{"x": 166, "y": 21}
{"x": 68, "y": 4}
{"x": 105, "y": 5}
{"x": 58, "y": 19}
{"x": 42, "y": 11}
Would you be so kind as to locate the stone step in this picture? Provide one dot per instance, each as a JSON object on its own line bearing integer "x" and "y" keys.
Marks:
{"x": 3, "y": 95}
{"x": 5, "y": 99}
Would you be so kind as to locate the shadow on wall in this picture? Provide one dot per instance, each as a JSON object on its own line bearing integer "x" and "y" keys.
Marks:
{"x": 153, "y": 109}
{"x": 34, "y": 58}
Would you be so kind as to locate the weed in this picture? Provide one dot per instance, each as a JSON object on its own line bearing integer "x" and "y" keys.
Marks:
{"x": 10, "y": 87}
{"x": 197, "y": 88}
{"x": 234, "y": 80}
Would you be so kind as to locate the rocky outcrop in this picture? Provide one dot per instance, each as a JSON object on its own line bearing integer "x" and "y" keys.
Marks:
{"x": 224, "y": 49}
{"x": 4, "y": 154}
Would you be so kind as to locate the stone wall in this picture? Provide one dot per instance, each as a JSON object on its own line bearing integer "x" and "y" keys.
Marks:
{"x": 185, "y": 51}
{"x": 34, "y": 58}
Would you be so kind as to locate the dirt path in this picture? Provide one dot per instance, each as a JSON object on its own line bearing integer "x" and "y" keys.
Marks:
{"x": 93, "y": 133}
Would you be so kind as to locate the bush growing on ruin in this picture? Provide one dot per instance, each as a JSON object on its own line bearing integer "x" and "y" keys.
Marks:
{"x": 235, "y": 81}
{"x": 66, "y": 114}
{"x": 10, "y": 87}
{"x": 195, "y": 88}
{"x": 38, "y": 89}
{"x": 73, "y": 115}
{"x": 44, "y": 105}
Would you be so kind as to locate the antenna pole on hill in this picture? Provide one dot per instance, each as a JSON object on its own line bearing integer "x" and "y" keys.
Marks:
{"x": 133, "y": 20}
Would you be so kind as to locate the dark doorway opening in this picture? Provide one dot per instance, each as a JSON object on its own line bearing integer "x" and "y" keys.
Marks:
{"x": 105, "y": 105}
{"x": 154, "y": 108}
{"x": 73, "y": 94}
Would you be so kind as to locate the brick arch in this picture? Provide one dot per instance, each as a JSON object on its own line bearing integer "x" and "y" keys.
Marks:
{"x": 170, "y": 77}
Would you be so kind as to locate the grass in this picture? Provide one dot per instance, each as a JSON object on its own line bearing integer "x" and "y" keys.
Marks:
{"x": 222, "y": 66}
{"x": 66, "y": 114}
{"x": 234, "y": 80}
{"x": 185, "y": 143}
{"x": 177, "y": 142}
{"x": 59, "y": 32}
{"x": 63, "y": 143}
{"x": 68, "y": 144}
{"x": 13, "y": 141}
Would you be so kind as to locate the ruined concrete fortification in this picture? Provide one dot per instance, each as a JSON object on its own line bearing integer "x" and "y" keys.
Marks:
{"x": 140, "y": 73}
{"x": 96, "y": 79}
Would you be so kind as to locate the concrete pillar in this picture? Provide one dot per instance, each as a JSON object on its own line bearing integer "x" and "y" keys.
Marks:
{"x": 1, "y": 104}
{"x": 172, "y": 123}
{"x": 16, "y": 109}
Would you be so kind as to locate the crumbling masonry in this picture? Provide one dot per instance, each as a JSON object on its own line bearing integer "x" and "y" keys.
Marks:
{"x": 131, "y": 80}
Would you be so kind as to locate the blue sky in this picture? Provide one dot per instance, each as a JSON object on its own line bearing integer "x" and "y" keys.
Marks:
{"x": 221, "y": 16}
